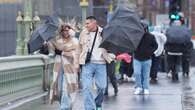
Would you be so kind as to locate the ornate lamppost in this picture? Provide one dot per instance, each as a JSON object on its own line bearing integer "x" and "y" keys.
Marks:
{"x": 84, "y": 4}
{"x": 25, "y": 26}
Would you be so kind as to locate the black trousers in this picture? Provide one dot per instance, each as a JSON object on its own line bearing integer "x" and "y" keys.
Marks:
{"x": 185, "y": 64}
{"x": 155, "y": 67}
{"x": 111, "y": 75}
{"x": 126, "y": 68}
{"x": 173, "y": 63}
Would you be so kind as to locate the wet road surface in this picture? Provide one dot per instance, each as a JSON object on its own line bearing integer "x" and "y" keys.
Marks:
{"x": 163, "y": 95}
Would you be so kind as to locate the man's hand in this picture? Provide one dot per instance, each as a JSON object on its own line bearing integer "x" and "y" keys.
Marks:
{"x": 111, "y": 57}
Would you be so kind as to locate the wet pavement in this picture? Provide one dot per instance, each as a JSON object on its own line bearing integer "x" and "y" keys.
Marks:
{"x": 163, "y": 95}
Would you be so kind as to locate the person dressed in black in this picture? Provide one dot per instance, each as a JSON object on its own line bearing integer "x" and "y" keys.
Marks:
{"x": 142, "y": 62}
{"x": 188, "y": 47}
{"x": 126, "y": 69}
{"x": 111, "y": 75}
{"x": 178, "y": 52}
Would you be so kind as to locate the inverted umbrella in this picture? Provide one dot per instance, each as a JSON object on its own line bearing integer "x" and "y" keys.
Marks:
{"x": 43, "y": 33}
{"x": 124, "y": 31}
{"x": 178, "y": 34}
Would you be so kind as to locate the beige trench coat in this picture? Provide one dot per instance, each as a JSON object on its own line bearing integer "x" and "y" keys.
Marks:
{"x": 84, "y": 42}
{"x": 69, "y": 60}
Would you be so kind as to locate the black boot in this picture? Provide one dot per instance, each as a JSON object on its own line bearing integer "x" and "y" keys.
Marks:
{"x": 116, "y": 91}
{"x": 106, "y": 93}
{"x": 175, "y": 77}
{"x": 186, "y": 74}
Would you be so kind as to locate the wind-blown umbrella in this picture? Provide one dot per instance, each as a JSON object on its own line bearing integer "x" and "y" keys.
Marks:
{"x": 178, "y": 35}
{"x": 124, "y": 31}
{"x": 43, "y": 33}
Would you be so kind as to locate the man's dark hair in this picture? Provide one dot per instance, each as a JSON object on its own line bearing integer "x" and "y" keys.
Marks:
{"x": 91, "y": 18}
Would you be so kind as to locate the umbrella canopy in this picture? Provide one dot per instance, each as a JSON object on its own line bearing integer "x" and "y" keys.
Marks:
{"x": 124, "y": 31}
{"x": 178, "y": 34}
{"x": 43, "y": 33}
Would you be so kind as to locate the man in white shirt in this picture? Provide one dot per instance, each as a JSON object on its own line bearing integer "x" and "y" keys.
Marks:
{"x": 93, "y": 60}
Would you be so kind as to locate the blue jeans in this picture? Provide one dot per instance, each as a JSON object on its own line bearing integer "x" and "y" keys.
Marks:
{"x": 142, "y": 73}
{"x": 65, "y": 98}
{"x": 98, "y": 72}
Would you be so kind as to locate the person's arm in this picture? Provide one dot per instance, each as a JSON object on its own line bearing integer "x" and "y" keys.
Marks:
{"x": 154, "y": 44}
{"x": 109, "y": 57}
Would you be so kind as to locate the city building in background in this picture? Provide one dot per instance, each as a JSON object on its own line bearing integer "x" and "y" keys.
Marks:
{"x": 9, "y": 9}
{"x": 156, "y": 12}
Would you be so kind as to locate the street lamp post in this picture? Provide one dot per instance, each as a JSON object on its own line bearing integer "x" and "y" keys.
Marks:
{"x": 110, "y": 11}
{"x": 36, "y": 20}
{"x": 84, "y": 4}
{"x": 28, "y": 27}
{"x": 20, "y": 35}
{"x": 25, "y": 25}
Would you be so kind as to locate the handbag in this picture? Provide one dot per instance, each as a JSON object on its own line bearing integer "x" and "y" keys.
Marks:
{"x": 88, "y": 57}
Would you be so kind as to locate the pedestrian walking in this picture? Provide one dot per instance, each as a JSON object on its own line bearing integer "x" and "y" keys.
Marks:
{"x": 188, "y": 48}
{"x": 70, "y": 66}
{"x": 161, "y": 40}
{"x": 126, "y": 67}
{"x": 55, "y": 92}
{"x": 67, "y": 47}
{"x": 142, "y": 62}
{"x": 178, "y": 40}
{"x": 93, "y": 60}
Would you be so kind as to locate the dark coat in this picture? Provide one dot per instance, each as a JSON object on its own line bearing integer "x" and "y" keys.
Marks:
{"x": 146, "y": 47}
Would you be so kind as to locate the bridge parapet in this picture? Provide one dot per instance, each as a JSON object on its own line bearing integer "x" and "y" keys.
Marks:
{"x": 23, "y": 78}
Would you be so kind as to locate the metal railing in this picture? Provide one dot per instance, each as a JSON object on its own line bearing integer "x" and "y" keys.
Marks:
{"x": 23, "y": 79}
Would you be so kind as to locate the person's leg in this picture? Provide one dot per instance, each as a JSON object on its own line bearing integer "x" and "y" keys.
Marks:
{"x": 146, "y": 65}
{"x": 130, "y": 69}
{"x": 137, "y": 73}
{"x": 112, "y": 76}
{"x": 175, "y": 68}
{"x": 171, "y": 59}
{"x": 185, "y": 65}
{"x": 65, "y": 98}
{"x": 107, "y": 71}
{"x": 122, "y": 70}
{"x": 106, "y": 90}
{"x": 101, "y": 81}
{"x": 56, "y": 74}
{"x": 87, "y": 80}
{"x": 154, "y": 68}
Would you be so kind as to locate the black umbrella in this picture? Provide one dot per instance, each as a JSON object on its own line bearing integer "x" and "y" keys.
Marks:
{"x": 124, "y": 31}
{"x": 43, "y": 33}
{"x": 178, "y": 34}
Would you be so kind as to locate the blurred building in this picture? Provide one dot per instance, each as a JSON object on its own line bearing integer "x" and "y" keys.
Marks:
{"x": 9, "y": 8}
{"x": 148, "y": 9}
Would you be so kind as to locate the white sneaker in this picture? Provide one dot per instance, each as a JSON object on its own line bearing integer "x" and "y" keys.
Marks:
{"x": 131, "y": 79}
{"x": 138, "y": 91}
{"x": 169, "y": 75}
{"x": 146, "y": 92}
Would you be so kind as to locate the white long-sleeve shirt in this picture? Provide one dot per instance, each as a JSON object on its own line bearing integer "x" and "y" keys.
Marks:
{"x": 161, "y": 40}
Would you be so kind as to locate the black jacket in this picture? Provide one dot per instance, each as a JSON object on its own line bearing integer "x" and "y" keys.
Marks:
{"x": 146, "y": 47}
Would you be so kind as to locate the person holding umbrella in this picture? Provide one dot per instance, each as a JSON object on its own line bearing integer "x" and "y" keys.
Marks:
{"x": 178, "y": 46}
{"x": 93, "y": 61}
{"x": 67, "y": 48}
{"x": 142, "y": 62}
